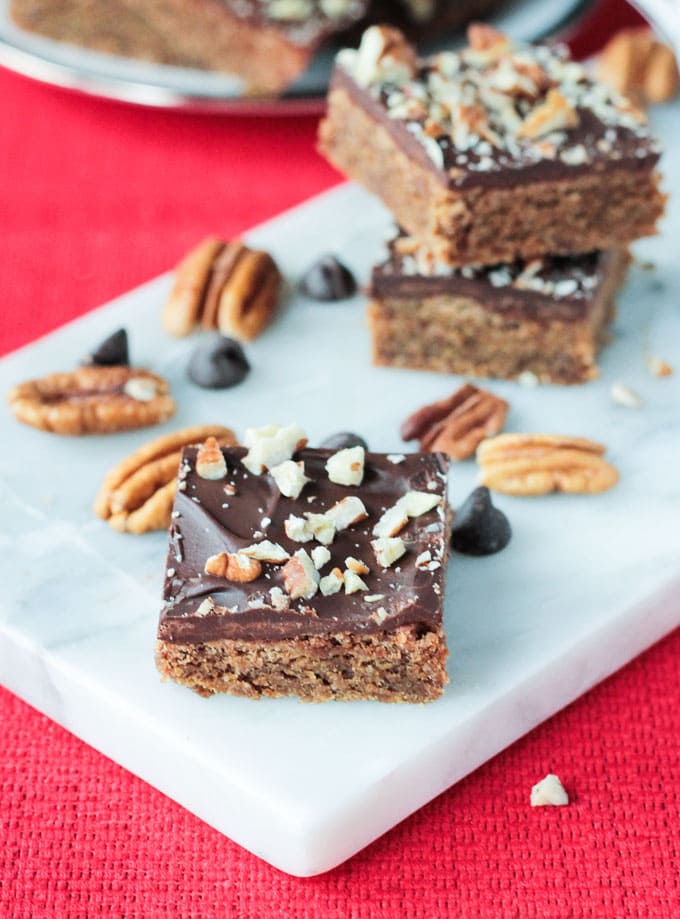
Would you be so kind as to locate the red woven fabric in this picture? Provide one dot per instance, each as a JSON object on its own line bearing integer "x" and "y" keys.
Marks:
{"x": 94, "y": 199}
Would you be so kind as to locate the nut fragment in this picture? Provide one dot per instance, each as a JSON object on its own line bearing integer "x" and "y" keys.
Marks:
{"x": 290, "y": 478}
{"x": 658, "y": 367}
{"x": 555, "y": 114}
{"x": 346, "y": 467}
{"x": 391, "y": 522}
{"x": 223, "y": 285}
{"x": 549, "y": 791}
{"x": 137, "y": 494}
{"x": 624, "y": 395}
{"x": 383, "y": 51}
{"x": 483, "y": 37}
{"x": 210, "y": 462}
{"x": 320, "y": 556}
{"x": 332, "y": 583}
{"x": 356, "y": 565}
{"x": 93, "y": 400}
{"x": 271, "y": 445}
{"x": 300, "y": 577}
{"x": 536, "y": 464}
{"x": 388, "y": 550}
{"x": 266, "y": 551}
{"x": 457, "y": 425}
{"x": 234, "y": 566}
{"x": 345, "y": 513}
{"x": 417, "y": 503}
{"x": 353, "y": 583}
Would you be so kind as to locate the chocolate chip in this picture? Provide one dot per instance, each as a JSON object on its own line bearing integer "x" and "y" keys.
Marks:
{"x": 218, "y": 363}
{"x": 480, "y": 528}
{"x": 342, "y": 440}
{"x": 328, "y": 279}
{"x": 112, "y": 352}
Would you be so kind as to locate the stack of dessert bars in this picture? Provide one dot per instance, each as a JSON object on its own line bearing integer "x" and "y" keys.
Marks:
{"x": 517, "y": 184}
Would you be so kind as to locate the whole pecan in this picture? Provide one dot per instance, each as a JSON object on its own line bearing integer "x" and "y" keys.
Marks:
{"x": 536, "y": 464}
{"x": 226, "y": 286}
{"x": 457, "y": 425}
{"x": 93, "y": 400}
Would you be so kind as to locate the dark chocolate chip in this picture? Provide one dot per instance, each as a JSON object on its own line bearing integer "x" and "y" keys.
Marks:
{"x": 479, "y": 528}
{"x": 112, "y": 352}
{"x": 328, "y": 279}
{"x": 218, "y": 363}
{"x": 342, "y": 440}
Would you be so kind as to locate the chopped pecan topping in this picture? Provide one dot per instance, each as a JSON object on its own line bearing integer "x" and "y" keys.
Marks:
{"x": 457, "y": 425}
{"x": 300, "y": 577}
{"x": 210, "y": 462}
{"x": 346, "y": 467}
{"x": 555, "y": 114}
{"x": 234, "y": 567}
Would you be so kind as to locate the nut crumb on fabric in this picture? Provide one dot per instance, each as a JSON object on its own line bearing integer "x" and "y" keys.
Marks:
{"x": 549, "y": 792}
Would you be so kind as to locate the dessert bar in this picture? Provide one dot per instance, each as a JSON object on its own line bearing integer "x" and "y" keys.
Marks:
{"x": 497, "y": 152}
{"x": 267, "y": 43}
{"x": 320, "y": 576}
{"x": 546, "y": 316}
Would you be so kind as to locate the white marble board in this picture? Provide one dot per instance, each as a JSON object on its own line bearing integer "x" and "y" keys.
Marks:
{"x": 586, "y": 584}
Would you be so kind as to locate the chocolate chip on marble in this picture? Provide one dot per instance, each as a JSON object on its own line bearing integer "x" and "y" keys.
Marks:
{"x": 328, "y": 279}
{"x": 342, "y": 440}
{"x": 218, "y": 363}
{"x": 112, "y": 352}
{"x": 479, "y": 528}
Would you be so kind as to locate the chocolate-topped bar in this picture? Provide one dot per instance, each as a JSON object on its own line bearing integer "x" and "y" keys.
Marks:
{"x": 496, "y": 152}
{"x": 547, "y": 316}
{"x": 267, "y": 43}
{"x": 308, "y": 572}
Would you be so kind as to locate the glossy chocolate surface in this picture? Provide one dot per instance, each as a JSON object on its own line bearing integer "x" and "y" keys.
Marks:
{"x": 206, "y": 521}
{"x": 605, "y": 138}
{"x": 550, "y": 288}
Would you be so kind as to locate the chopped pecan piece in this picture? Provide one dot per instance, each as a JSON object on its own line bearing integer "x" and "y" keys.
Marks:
{"x": 234, "y": 566}
{"x": 457, "y": 425}
{"x": 555, "y": 114}
{"x": 210, "y": 462}
{"x": 536, "y": 464}
{"x": 300, "y": 577}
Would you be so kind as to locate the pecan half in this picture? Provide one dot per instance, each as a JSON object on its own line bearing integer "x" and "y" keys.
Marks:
{"x": 640, "y": 67}
{"x": 93, "y": 400}
{"x": 137, "y": 495}
{"x": 226, "y": 286}
{"x": 536, "y": 464}
{"x": 457, "y": 425}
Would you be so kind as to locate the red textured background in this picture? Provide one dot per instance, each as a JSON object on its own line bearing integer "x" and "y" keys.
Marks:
{"x": 95, "y": 198}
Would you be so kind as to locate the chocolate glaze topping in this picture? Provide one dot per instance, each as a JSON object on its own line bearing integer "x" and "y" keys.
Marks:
{"x": 552, "y": 287}
{"x": 206, "y": 521}
{"x": 426, "y": 114}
